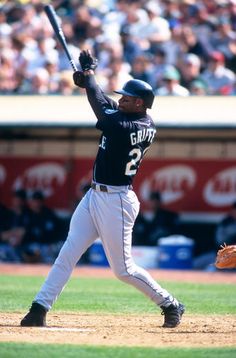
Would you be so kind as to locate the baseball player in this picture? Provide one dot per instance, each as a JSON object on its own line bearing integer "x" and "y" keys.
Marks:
{"x": 109, "y": 209}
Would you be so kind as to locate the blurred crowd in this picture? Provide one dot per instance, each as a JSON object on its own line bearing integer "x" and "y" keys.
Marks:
{"x": 30, "y": 231}
{"x": 180, "y": 47}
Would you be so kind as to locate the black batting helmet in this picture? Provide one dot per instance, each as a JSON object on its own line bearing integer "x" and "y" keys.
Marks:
{"x": 138, "y": 88}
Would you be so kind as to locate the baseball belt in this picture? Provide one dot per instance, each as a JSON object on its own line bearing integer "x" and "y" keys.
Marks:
{"x": 99, "y": 187}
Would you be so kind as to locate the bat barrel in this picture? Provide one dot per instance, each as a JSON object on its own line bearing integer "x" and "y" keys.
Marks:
{"x": 53, "y": 18}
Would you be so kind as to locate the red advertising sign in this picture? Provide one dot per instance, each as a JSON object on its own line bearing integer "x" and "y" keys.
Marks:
{"x": 186, "y": 185}
{"x": 191, "y": 185}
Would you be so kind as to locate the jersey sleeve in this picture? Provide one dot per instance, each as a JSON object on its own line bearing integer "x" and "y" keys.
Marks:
{"x": 101, "y": 104}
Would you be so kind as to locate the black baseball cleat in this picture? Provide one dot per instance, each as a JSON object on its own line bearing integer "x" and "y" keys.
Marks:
{"x": 36, "y": 317}
{"x": 172, "y": 315}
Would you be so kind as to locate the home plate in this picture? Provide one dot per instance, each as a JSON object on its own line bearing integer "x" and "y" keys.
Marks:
{"x": 62, "y": 329}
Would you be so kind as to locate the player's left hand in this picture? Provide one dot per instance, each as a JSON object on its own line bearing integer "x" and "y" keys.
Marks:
{"x": 87, "y": 61}
{"x": 78, "y": 78}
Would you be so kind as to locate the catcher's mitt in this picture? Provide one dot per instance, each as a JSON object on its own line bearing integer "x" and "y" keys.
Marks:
{"x": 226, "y": 257}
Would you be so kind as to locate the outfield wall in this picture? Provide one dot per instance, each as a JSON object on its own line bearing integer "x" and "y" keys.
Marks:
{"x": 50, "y": 143}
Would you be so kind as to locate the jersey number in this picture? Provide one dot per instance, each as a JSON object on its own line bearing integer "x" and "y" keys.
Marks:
{"x": 133, "y": 164}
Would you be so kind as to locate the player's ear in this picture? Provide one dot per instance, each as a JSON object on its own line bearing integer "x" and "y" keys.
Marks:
{"x": 139, "y": 102}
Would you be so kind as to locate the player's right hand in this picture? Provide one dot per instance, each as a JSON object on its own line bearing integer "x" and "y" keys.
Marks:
{"x": 78, "y": 78}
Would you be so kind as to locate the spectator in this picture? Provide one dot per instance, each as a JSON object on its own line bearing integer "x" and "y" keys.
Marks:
{"x": 41, "y": 243}
{"x": 112, "y": 83}
{"x": 140, "y": 68}
{"x": 19, "y": 218}
{"x": 5, "y": 28}
{"x": 39, "y": 55}
{"x": 190, "y": 43}
{"x": 66, "y": 84}
{"x": 173, "y": 48}
{"x": 20, "y": 61}
{"x": 4, "y": 217}
{"x": 159, "y": 66}
{"x": 86, "y": 25}
{"x": 15, "y": 226}
{"x": 52, "y": 67}
{"x": 171, "y": 11}
{"x": 190, "y": 67}
{"x": 225, "y": 233}
{"x": 136, "y": 22}
{"x": 37, "y": 83}
{"x": 131, "y": 49}
{"x": 107, "y": 51}
{"x": 27, "y": 21}
{"x": 124, "y": 29}
{"x": 219, "y": 79}
{"x": 222, "y": 37}
{"x": 6, "y": 251}
{"x": 8, "y": 83}
{"x": 114, "y": 20}
{"x": 226, "y": 229}
{"x": 198, "y": 88}
{"x": 171, "y": 84}
{"x": 232, "y": 13}
{"x": 196, "y": 16}
{"x": 231, "y": 61}
{"x": 163, "y": 223}
{"x": 118, "y": 68}
{"x": 157, "y": 31}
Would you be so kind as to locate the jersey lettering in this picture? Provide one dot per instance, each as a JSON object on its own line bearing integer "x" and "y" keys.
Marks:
{"x": 146, "y": 134}
{"x": 103, "y": 142}
{"x": 132, "y": 166}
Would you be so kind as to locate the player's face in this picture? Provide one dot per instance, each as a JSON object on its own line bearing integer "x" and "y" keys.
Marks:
{"x": 129, "y": 104}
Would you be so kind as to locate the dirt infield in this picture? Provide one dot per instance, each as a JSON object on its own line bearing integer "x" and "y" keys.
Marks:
{"x": 90, "y": 329}
{"x": 123, "y": 330}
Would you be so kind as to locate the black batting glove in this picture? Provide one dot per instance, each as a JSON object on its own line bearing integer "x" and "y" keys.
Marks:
{"x": 87, "y": 61}
{"x": 78, "y": 78}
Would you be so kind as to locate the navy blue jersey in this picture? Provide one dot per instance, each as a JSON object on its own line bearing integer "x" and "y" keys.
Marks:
{"x": 124, "y": 140}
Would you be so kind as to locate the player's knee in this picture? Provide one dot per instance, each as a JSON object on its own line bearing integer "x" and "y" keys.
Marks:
{"x": 122, "y": 275}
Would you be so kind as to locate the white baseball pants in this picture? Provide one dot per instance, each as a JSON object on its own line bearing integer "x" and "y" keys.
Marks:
{"x": 109, "y": 216}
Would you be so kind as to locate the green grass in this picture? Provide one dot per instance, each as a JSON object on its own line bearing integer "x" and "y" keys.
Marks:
{"x": 112, "y": 296}
{"x": 22, "y": 350}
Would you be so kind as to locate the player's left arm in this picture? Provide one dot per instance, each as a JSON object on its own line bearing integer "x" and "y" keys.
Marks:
{"x": 100, "y": 103}
{"x": 96, "y": 97}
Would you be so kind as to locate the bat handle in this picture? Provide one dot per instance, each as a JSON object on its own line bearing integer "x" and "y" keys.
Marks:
{"x": 73, "y": 65}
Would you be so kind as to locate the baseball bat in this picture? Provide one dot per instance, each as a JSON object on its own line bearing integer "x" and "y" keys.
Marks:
{"x": 53, "y": 18}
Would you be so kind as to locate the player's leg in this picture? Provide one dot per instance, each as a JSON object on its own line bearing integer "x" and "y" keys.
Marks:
{"x": 82, "y": 233}
{"x": 121, "y": 210}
